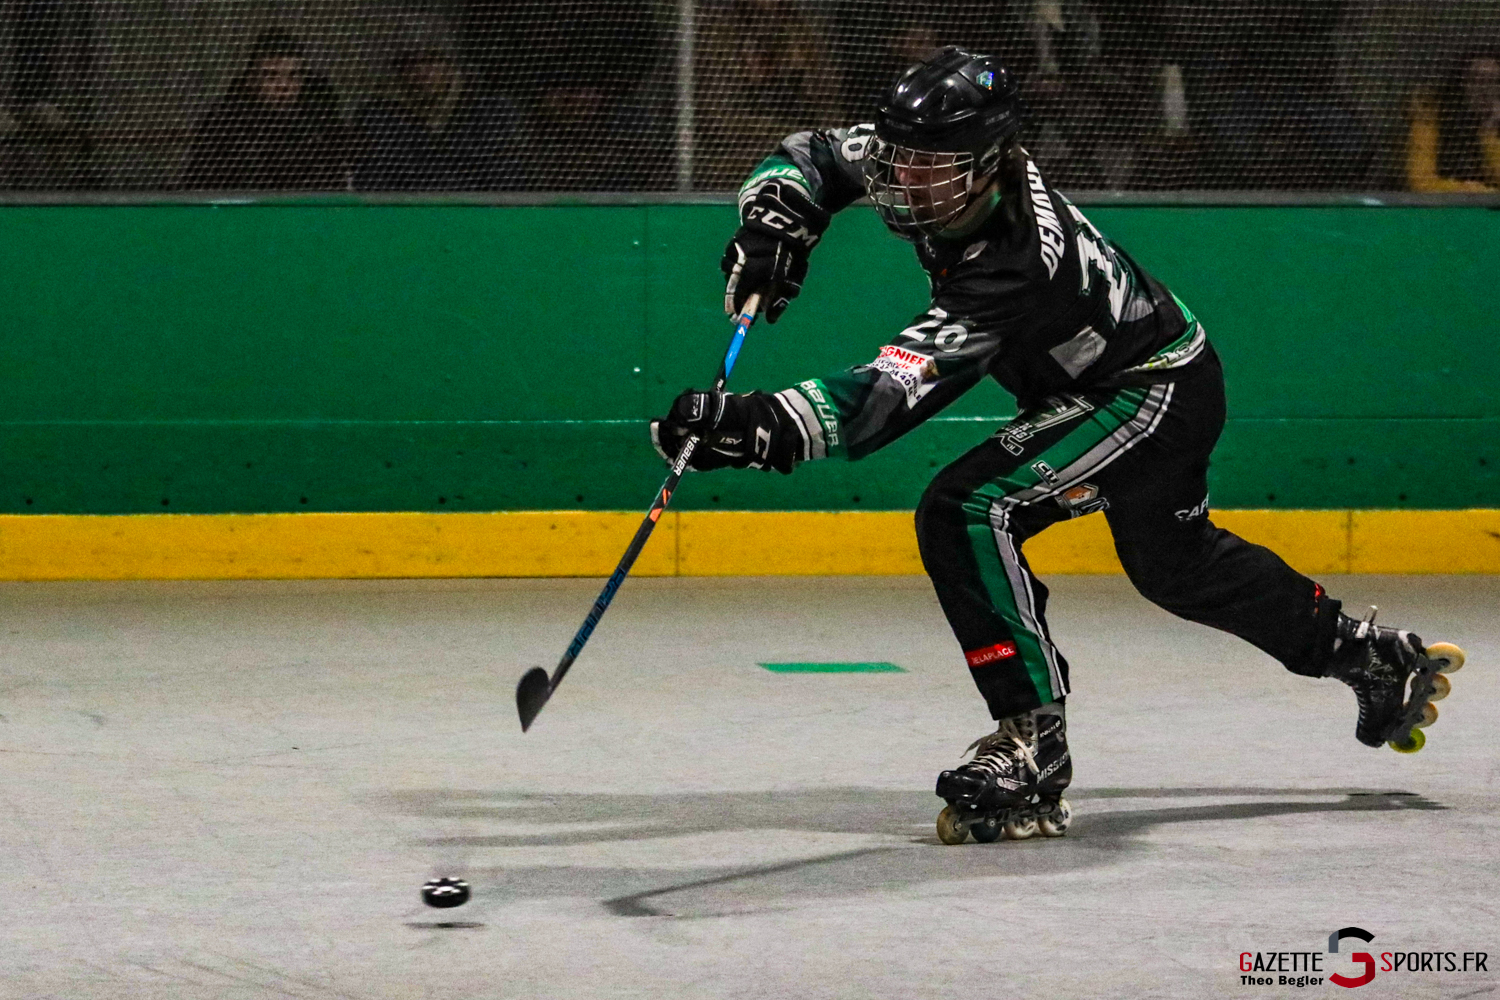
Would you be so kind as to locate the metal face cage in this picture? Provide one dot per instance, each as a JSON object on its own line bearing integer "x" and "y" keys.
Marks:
{"x": 918, "y": 192}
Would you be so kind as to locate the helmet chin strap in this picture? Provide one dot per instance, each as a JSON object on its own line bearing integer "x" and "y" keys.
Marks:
{"x": 981, "y": 206}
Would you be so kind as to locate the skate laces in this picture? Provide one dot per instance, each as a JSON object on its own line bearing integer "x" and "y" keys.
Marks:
{"x": 1379, "y": 654}
{"x": 1013, "y": 739}
{"x": 1375, "y": 662}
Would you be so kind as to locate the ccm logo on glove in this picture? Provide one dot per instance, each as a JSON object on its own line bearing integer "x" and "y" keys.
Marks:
{"x": 779, "y": 226}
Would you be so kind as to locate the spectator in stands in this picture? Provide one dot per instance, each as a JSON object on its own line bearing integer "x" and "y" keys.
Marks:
{"x": 45, "y": 151}
{"x": 1265, "y": 94}
{"x": 762, "y": 71}
{"x": 1089, "y": 87}
{"x": 584, "y": 136}
{"x": 276, "y": 128}
{"x": 436, "y": 131}
{"x": 596, "y": 90}
{"x": 874, "y": 41}
{"x": 1454, "y": 143}
{"x": 1089, "y": 70}
{"x": 45, "y": 139}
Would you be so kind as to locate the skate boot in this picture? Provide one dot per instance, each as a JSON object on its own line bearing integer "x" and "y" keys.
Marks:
{"x": 1014, "y": 784}
{"x": 1377, "y": 663}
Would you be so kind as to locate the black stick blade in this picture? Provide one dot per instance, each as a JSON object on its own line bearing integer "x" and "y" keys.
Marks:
{"x": 531, "y": 694}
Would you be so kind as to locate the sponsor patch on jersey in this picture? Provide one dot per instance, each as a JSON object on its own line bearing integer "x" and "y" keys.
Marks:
{"x": 990, "y": 654}
{"x": 1083, "y": 499}
{"x": 975, "y": 250}
{"x": 1048, "y": 227}
{"x": 910, "y": 369}
{"x": 1081, "y": 493}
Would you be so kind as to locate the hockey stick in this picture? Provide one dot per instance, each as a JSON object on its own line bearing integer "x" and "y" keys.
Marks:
{"x": 536, "y": 687}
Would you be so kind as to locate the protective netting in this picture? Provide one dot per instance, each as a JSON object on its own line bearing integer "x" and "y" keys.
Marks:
{"x": 677, "y": 95}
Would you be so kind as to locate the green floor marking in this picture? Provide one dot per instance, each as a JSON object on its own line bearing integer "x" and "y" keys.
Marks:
{"x": 833, "y": 668}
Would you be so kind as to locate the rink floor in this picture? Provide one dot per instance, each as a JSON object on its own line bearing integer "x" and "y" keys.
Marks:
{"x": 236, "y": 790}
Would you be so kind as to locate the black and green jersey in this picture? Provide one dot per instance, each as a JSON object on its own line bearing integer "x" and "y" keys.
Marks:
{"x": 1034, "y": 297}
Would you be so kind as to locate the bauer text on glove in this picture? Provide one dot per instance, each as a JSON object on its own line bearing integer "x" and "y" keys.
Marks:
{"x": 749, "y": 431}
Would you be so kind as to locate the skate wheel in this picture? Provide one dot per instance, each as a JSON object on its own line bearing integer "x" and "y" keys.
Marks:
{"x": 1447, "y": 656}
{"x": 1055, "y": 823}
{"x": 1412, "y": 745}
{"x": 1020, "y": 829}
{"x": 987, "y": 830}
{"x": 951, "y": 828}
{"x": 1429, "y": 716}
{"x": 1441, "y": 688}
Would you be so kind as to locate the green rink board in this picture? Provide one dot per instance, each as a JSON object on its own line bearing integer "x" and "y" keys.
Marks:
{"x": 315, "y": 357}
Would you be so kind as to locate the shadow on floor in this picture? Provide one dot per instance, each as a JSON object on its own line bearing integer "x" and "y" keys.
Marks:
{"x": 1099, "y": 836}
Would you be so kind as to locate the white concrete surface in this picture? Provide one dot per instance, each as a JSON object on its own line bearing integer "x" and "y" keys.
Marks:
{"x": 236, "y": 790}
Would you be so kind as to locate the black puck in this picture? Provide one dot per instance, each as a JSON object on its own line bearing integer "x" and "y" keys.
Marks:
{"x": 445, "y": 892}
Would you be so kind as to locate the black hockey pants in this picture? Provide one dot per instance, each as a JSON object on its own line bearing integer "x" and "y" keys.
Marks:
{"x": 1140, "y": 455}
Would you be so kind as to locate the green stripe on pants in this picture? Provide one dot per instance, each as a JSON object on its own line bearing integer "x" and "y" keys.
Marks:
{"x": 1005, "y": 576}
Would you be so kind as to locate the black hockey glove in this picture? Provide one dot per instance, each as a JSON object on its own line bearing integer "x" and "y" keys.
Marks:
{"x": 778, "y": 229}
{"x": 737, "y": 431}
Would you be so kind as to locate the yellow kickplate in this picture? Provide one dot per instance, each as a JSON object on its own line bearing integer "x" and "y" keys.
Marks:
{"x": 797, "y": 543}
{"x": 1425, "y": 541}
{"x": 689, "y": 543}
{"x": 311, "y": 546}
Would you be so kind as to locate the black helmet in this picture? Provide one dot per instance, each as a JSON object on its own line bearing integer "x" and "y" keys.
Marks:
{"x": 940, "y": 132}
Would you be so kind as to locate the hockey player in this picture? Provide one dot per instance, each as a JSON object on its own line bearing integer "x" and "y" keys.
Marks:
{"x": 1120, "y": 399}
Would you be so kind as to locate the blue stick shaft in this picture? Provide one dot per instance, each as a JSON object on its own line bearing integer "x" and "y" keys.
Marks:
{"x": 663, "y": 497}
